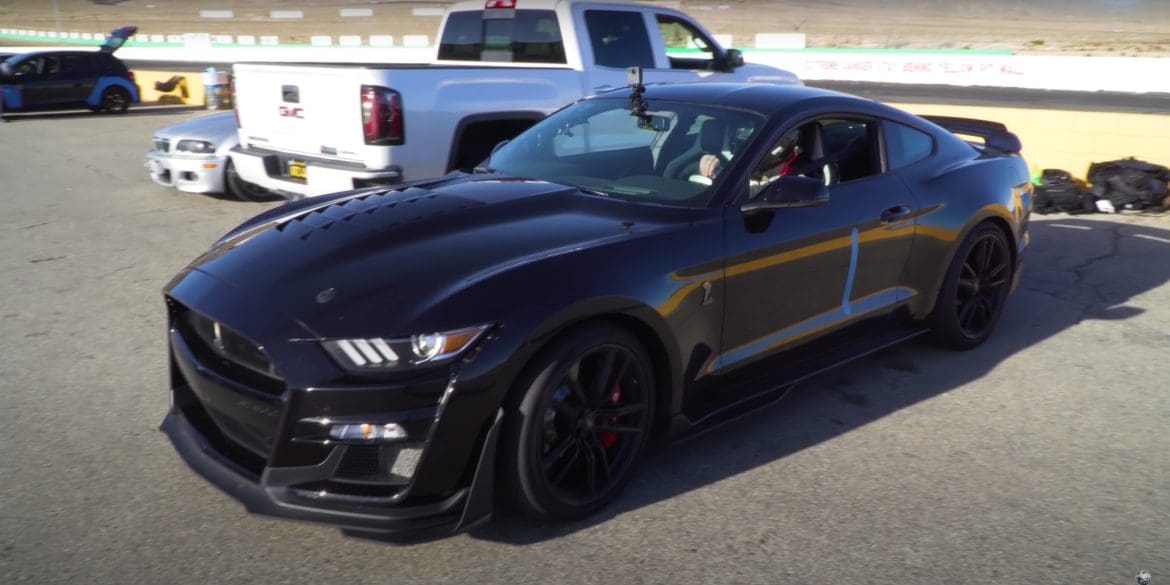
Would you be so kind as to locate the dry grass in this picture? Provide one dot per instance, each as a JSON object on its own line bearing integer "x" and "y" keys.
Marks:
{"x": 1116, "y": 27}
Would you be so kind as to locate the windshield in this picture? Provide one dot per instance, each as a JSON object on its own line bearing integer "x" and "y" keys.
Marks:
{"x": 671, "y": 156}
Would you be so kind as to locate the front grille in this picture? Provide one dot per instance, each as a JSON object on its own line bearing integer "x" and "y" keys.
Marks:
{"x": 162, "y": 144}
{"x": 246, "y": 460}
{"x": 228, "y": 353}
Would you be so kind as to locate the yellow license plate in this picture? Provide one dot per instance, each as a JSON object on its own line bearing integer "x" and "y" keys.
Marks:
{"x": 296, "y": 169}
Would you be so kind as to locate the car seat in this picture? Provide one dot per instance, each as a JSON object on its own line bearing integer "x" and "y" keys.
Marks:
{"x": 709, "y": 141}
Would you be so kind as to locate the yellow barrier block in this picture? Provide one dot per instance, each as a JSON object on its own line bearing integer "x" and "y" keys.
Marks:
{"x": 1071, "y": 140}
{"x": 170, "y": 87}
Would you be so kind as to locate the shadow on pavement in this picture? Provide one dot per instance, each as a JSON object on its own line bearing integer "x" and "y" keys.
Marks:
{"x": 15, "y": 117}
{"x": 1076, "y": 269}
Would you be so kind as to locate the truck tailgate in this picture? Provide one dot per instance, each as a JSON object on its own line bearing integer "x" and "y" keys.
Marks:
{"x": 309, "y": 110}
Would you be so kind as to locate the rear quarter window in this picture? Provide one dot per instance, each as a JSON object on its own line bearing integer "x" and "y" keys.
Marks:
{"x": 530, "y": 36}
{"x": 905, "y": 145}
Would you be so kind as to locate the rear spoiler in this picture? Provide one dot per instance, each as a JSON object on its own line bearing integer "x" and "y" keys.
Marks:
{"x": 995, "y": 135}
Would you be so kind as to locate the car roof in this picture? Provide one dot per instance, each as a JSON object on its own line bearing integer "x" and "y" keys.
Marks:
{"x": 32, "y": 54}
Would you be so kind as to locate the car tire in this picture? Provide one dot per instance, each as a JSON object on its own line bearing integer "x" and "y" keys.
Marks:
{"x": 115, "y": 100}
{"x": 975, "y": 289}
{"x": 572, "y": 436}
{"x": 243, "y": 190}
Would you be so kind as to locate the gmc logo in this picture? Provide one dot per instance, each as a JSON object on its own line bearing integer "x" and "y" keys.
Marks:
{"x": 288, "y": 112}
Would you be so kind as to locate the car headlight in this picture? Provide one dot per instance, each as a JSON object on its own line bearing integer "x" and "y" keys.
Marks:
{"x": 381, "y": 353}
{"x": 197, "y": 146}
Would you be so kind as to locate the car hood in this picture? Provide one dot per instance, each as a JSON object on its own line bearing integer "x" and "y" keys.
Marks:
{"x": 386, "y": 258}
{"x": 215, "y": 128}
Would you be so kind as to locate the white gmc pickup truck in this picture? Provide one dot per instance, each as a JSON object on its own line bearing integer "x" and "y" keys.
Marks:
{"x": 311, "y": 129}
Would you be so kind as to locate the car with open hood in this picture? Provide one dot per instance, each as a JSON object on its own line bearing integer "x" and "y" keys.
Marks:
{"x": 68, "y": 79}
{"x": 637, "y": 266}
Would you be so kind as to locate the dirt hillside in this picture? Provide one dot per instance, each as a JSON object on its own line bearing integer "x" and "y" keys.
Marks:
{"x": 1108, "y": 27}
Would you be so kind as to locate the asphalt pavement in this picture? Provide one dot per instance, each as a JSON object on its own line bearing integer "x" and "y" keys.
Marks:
{"x": 1041, "y": 457}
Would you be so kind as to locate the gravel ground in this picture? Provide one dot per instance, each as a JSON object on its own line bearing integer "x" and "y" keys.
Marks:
{"x": 1040, "y": 457}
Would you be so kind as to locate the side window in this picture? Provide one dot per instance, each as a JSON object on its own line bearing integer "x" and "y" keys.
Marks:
{"x": 849, "y": 150}
{"x": 609, "y": 130}
{"x": 29, "y": 67}
{"x": 76, "y": 65}
{"x": 686, "y": 46}
{"x": 834, "y": 150}
{"x": 51, "y": 66}
{"x": 905, "y": 145}
{"x": 619, "y": 39}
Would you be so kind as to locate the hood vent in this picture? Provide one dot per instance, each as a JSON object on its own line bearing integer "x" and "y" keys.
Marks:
{"x": 390, "y": 208}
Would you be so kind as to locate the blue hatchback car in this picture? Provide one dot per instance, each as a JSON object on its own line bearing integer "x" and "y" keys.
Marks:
{"x": 53, "y": 80}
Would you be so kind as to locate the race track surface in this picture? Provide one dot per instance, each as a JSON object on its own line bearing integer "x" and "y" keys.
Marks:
{"x": 1041, "y": 457}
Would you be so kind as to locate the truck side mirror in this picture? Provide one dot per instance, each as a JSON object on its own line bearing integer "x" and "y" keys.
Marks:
{"x": 733, "y": 59}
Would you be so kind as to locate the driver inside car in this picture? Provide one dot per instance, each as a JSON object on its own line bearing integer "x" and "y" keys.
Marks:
{"x": 781, "y": 160}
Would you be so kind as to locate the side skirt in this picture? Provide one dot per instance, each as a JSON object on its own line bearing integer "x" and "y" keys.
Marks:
{"x": 766, "y": 386}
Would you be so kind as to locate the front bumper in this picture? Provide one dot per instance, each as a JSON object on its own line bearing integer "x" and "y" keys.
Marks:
{"x": 262, "y": 498}
{"x": 192, "y": 174}
{"x": 259, "y": 440}
{"x": 269, "y": 169}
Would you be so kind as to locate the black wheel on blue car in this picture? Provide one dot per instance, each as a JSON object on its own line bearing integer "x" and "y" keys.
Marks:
{"x": 115, "y": 100}
{"x": 578, "y": 424}
{"x": 975, "y": 289}
{"x": 243, "y": 190}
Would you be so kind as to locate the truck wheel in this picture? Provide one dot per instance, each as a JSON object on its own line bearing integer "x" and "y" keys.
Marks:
{"x": 243, "y": 190}
{"x": 115, "y": 100}
{"x": 578, "y": 423}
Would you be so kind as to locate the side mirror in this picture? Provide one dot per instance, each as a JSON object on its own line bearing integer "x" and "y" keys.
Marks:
{"x": 789, "y": 192}
{"x": 734, "y": 59}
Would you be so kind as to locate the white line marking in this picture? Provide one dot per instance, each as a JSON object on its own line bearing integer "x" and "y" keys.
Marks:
{"x": 1071, "y": 227}
{"x": 1155, "y": 238}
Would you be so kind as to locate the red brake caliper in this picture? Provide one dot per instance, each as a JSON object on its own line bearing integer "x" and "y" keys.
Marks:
{"x": 608, "y": 440}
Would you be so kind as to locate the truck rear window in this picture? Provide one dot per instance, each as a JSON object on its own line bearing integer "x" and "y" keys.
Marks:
{"x": 531, "y": 36}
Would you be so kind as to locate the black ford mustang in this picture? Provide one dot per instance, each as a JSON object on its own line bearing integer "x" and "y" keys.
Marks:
{"x": 393, "y": 360}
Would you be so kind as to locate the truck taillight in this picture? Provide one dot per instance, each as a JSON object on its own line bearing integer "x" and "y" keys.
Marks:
{"x": 382, "y": 121}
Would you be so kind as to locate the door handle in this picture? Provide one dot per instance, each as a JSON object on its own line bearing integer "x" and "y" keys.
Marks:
{"x": 896, "y": 213}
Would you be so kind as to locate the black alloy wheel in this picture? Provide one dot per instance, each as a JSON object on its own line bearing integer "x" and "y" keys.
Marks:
{"x": 243, "y": 190}
{"x": 975, "y": 290}
{"x": 115, "y": 100}
{"x": 582, "y": 424}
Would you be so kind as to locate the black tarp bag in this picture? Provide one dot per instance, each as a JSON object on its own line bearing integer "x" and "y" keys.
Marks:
{"x": 1130, "y": 183}
{"x": 1058, "y": 191}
